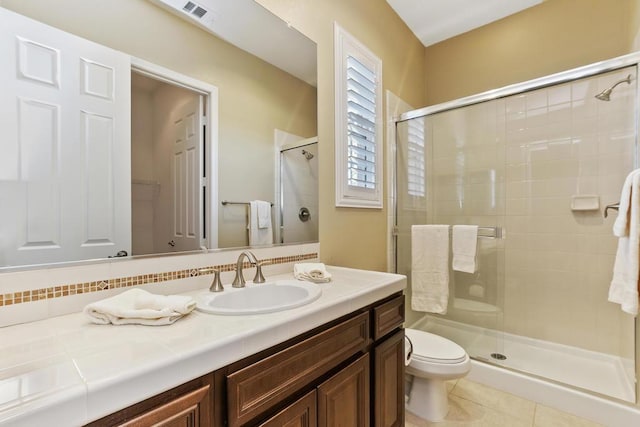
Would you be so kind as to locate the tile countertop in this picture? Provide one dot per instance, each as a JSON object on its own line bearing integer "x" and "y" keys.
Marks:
{"x": 71, "y": 371}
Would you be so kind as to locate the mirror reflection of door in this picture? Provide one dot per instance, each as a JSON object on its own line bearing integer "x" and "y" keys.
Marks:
{"x": 166, "y": 157}
{"x": 64, "y": 114}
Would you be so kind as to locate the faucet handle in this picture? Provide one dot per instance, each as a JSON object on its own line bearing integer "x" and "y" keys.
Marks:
{"x": 216, "y": 285}
{"x": 259, "y": 277}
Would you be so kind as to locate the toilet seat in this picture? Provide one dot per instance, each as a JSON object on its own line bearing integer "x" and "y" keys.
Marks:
{"x": 432, "y": 348}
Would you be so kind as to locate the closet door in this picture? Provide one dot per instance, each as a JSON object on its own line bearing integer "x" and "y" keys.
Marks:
{"x": 65, "y": 131}
{"x": 186, "y": 170}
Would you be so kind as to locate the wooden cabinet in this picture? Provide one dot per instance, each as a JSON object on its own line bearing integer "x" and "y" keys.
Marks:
{"x": 349, "y": 372}
{"x": 255, "y": 389}
{"x": 388, "y": 368}
{"x": 188, "y": 405}
{"x": 343, "y": 400}
{"x": 354, "y": 367}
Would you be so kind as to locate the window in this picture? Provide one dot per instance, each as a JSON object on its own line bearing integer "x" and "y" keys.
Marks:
{"x": 415, "y": 158}
{"x": 358, "y": 123}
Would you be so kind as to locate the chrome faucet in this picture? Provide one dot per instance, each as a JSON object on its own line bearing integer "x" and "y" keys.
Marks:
{"x": 238, "y": 281}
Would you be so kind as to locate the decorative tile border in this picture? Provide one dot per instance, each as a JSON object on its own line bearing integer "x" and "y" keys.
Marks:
{"x": 126, "y": 282}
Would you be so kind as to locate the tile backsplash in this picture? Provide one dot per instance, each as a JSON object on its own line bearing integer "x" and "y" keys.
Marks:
{"x": 40, "y": 293}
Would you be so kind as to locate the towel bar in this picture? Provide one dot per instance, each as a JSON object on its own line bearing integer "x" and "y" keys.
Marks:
{"x": 614, "y": 206}
{"x": 490, "y": 232}
{"x": 226, "y": 202}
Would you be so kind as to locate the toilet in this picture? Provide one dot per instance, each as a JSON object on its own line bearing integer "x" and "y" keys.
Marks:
{"x": 433, "y": 361}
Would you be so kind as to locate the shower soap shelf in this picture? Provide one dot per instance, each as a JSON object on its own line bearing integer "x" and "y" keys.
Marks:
{"x": 585, "y": 202}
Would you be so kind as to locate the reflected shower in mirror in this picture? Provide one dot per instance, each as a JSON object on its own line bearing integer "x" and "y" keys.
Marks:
{"x": 299, "y": 191}
{"x": 255, "y": 100}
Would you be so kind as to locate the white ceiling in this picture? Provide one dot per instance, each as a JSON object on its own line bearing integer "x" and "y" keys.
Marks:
{"x": 435, "y": 20}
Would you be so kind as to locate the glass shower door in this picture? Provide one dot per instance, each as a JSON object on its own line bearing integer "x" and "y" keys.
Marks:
{"x": 451, "y": 171}
{"x": 540, "y": 166}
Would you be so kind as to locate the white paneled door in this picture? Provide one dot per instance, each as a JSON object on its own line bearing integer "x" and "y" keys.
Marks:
{"x": 185, "y": 176}
{"x": 65, "y": 137}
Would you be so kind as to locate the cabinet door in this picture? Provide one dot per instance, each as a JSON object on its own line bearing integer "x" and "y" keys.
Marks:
{"x": 301, "y": 413}
{"x": 389, "y": 382}
{"x": 343, "y": 400}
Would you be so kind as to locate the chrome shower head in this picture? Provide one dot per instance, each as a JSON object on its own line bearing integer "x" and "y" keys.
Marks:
{"x": 605, "y": 95}
{"x": 307, "y": 155}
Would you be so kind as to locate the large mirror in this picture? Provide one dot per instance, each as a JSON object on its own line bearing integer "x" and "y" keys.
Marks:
{"x": 191, "y": 160}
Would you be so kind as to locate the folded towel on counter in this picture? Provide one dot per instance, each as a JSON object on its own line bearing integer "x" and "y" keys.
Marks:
{"x": 312, "y": 272}
{"x": 626, "y": 269}
{"x": 430, "y": 268}
{"x": 464, "y": 242}
{"x": 137, "y": 306}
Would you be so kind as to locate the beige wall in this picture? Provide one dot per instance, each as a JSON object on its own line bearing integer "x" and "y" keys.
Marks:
{"x": 254, "y": 97}
{"x": 554, "y": 36}
{"x": 354, "y": 237}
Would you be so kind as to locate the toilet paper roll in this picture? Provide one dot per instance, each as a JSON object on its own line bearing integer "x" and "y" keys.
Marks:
{"x": 476, "y": 291}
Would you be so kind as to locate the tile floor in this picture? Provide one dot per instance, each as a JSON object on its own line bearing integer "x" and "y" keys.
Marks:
{"x": 476, "y": 405}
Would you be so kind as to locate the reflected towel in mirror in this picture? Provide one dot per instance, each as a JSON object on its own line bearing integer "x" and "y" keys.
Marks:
{"x": 260, "y": 213}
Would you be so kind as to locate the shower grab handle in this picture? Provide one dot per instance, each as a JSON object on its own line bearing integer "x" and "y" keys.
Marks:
{"x": 614, "y": 206}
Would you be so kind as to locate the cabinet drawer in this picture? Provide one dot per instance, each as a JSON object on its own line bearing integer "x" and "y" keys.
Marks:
{"x": 192, "y": 410}
{"x": 254, "y": 389}
{"x": 388, "y": 316}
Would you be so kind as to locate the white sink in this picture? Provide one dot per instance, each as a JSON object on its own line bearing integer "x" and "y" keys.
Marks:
{"x": 259, "y": 298}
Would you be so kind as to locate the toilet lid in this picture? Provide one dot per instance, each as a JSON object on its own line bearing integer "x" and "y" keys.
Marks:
{"x": 433, "y": 348}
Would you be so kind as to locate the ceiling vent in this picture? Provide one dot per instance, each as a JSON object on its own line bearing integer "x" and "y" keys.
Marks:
{"x": 199, "y": 13}
{"x": 194, "y": 9}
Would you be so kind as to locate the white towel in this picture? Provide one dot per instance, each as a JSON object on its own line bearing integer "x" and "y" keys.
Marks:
{"x": 315, "y": 272}
{"x": 621, "y": 224}
{"x": 137, "y": 306}
{"x": 624, "y": 285}
{"x": 430, "y": 268}
{"x": 464, "y": 246}
{"x": 264, "y": 214}
{"x": 260, "y": 235}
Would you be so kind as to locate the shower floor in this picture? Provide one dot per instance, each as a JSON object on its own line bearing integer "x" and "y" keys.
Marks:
{"x": 597, "y": 372}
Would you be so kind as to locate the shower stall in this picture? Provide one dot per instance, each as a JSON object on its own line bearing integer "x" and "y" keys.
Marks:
{"x": 297, "y": 192}
{"x": 533, "y": 165}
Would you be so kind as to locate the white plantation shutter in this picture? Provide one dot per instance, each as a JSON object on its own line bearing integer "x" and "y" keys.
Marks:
{"x": 361, "y": 125}
{"x": 358, "y": 124}
{"x": 416, "y": 158}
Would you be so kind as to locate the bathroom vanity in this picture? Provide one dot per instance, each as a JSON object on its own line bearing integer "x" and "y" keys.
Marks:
{"x": 340, "y": 357}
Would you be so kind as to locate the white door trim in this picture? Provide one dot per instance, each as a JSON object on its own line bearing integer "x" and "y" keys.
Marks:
{"x": 210, "y": 91}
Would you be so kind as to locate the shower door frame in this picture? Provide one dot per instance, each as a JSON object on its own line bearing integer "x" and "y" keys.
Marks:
{"x": 629, "y": 60}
